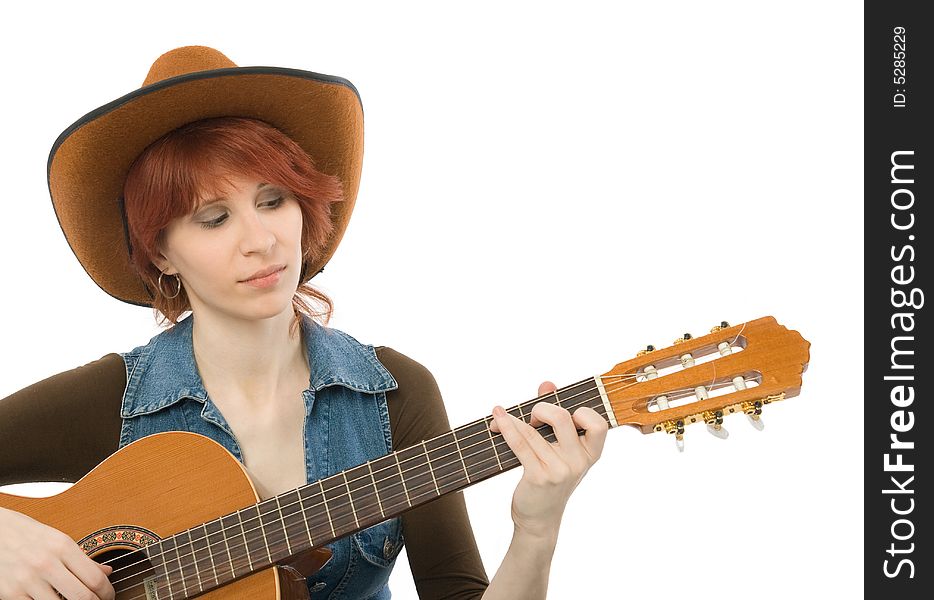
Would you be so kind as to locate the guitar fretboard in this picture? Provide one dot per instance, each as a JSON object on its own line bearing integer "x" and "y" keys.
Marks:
{"x": 219, "y": 551}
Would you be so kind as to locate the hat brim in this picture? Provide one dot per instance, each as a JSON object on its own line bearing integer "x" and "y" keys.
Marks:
{"x": 89, "y": 161}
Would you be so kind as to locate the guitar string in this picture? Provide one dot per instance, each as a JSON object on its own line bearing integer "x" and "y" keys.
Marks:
{"x": 511, "y": 461}
{"x": 498, "y": 446}
{"x": 326, "y": 501}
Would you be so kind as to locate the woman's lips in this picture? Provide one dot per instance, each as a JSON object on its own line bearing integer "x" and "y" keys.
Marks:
{"x": 267, "y": 281}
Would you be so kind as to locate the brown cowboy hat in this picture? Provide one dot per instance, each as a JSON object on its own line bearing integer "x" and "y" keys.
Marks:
{"x": 90, "y": 159}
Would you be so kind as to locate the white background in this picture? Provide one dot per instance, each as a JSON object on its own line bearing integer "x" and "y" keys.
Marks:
{"x": 545, "y": 191}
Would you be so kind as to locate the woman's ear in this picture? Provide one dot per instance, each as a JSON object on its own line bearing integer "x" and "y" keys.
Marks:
{"x": 163, "y": 264}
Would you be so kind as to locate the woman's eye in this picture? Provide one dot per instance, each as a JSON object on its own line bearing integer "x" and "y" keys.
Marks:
{"x": 217, "y": 221}
{"x": 214, "y": 222}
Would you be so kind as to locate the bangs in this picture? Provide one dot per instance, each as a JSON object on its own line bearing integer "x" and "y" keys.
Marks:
{"x": 194, "y": 164}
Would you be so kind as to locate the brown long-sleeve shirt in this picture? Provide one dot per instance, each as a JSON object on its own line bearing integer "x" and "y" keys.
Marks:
{"x": 440, "y": 543}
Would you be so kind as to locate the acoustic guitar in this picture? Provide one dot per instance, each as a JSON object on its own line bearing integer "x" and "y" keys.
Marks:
{"x": 218, "y": 540}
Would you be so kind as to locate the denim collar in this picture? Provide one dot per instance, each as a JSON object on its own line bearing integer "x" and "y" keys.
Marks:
{"x": 165, "y": 370}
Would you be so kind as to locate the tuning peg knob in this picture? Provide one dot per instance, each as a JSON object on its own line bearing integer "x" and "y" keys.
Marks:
{"x": 649, "y": 348}
{"x": 682, "y": 339}
{"x": 753, "y": 412}
{"x": 714, "y": 420}
{"x": 676, "y": 428}
{"x": 718, "y": 431}
{"x": 716, "y": 328}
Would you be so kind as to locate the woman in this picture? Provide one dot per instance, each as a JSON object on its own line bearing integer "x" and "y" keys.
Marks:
{"x": 201, "y": 192}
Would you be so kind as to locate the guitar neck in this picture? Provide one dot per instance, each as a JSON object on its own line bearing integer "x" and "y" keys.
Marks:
{"x": 755, "y": 363}
{"x": 328, "y": 509}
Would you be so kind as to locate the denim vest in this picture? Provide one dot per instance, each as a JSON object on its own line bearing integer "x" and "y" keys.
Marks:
{"x": 346, "y": 424}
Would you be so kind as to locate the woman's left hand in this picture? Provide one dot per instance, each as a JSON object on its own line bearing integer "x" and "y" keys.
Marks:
{"x": 551, "y": 471}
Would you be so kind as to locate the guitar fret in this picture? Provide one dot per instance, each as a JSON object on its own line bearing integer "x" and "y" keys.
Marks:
{"x": 182, "y": 542}
{"x": 430, "y": 469}
{"x": 461, "y": 455}
{"x": 353, "y": 509}
{"x": 364, "y": 496}
{"x": 447, "y": 470}
{"x": 304, "y": 517}
{"x": 414, "y": 475}
{"x": 246, "y": 542}
{"x": 168, "y": 544}
{"x": 527, "y": 406}
{"x": 234, "y": 552}
{"x": 489, "y": 431}
{"x": 402, "y": 478}
{"x": 272, "y": 527}
{"x": 608, "y": 413}
{"x": 285, "y": 531}
{"x": 293, "y": 516}
{"x": 391, "y": 489}
{"x": 379, "y": 502}
{"x": 316, "y": 517}
{"x": 326, "y": 509}
{"x": 221, "y": 551}
{"x": 168, "y": 585}
{"x": 480, "y": 461}
{"x": 518, "y": 409}
{"x": 200, "y": 547}
{"x": 195, "y": 562}
{"x": 181, "y": 565}
{"x": 336, "y": 499}
{"x": 252, "y": 523}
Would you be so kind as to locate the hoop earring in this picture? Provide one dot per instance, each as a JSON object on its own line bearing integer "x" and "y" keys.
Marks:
{"x": 178, "y": 290}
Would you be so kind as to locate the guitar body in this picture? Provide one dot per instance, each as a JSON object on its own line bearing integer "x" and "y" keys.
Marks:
{"x": 156, "y": 487}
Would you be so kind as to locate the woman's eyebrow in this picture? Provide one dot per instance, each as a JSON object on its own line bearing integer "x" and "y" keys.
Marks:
{"x": 219, "y": 198}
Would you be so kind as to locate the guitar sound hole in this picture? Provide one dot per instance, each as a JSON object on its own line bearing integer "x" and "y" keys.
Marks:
{"x": 131, "y": 570}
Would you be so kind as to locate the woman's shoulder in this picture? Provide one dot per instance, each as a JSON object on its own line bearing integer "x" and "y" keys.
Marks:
{"x": 107, "y": 372}
{"x": 403, "y": 367}
{"x": 416, "y": 408}
{"x": 59, "y": 428}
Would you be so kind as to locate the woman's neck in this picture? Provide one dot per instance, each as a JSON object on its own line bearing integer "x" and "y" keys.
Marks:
{"x": 249, "y": 362}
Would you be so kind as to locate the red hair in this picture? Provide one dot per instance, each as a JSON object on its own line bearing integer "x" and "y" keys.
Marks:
{"x": 196, "y": 161}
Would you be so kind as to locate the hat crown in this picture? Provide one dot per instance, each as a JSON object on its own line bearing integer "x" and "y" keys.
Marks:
{"x": 185, "y": 60}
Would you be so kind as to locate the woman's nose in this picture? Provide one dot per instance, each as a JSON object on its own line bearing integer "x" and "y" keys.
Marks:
{"x": 257, "y": 237}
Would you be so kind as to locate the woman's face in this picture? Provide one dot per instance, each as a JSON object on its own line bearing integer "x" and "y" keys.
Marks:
{"x": 222, "y": 250}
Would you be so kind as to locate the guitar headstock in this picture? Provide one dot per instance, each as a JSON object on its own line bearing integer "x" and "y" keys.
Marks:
{"x": 731, "y": 370}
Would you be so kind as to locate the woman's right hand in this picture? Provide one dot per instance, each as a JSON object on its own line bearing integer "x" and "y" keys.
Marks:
{"x": 36, "y": 560}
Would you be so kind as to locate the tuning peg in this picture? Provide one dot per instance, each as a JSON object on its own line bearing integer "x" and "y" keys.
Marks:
{"x": 718, "y": 431}
{"x": 676, "y": 428}
{"x": 714, "y": 420}
{"x": 649, "y": 348}
{"x": 753, "y": 412}
{"x": 716, "y": 328}
{"x": 681, "y": 339}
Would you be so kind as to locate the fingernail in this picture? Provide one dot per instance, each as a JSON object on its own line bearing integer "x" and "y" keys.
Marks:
{"x": 498, "y": 411}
